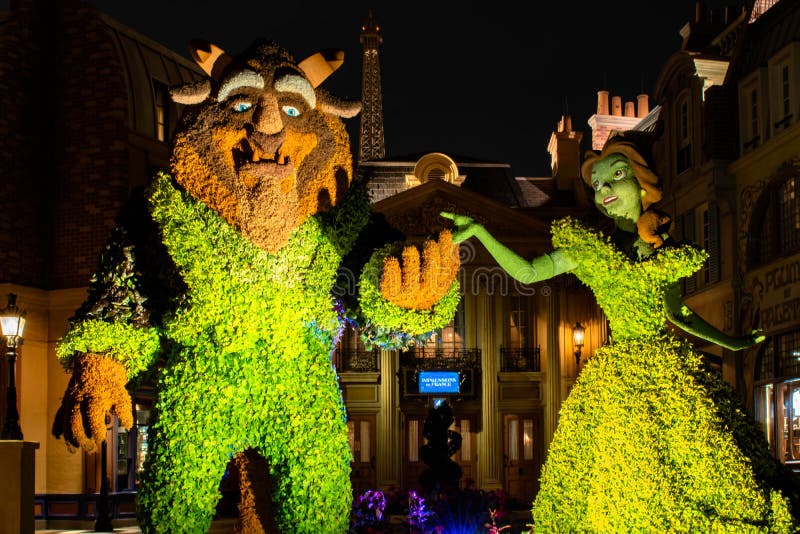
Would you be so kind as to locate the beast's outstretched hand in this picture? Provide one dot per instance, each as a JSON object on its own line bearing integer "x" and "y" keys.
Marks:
{"x": 97, "y": 387}
{"x": 420, "y": 284}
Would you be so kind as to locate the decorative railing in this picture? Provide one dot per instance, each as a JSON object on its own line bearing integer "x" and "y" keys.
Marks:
{"x": 521, "y": 359}
{"x": 433, "y": 358}
{"x": 82, "y": 506}
{"x": 122, "y": 505}
{"x": 355, "y": 361}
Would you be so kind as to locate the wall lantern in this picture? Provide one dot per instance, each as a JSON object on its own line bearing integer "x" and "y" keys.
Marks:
{"x": 577, "y": 341}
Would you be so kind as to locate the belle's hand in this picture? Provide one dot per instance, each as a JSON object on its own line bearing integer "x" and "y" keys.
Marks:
{"x": 97, "y": 387}
{"x": 419, "y": 285}
{"x": 757, "y": 336}
{"x": 466, "y": 227}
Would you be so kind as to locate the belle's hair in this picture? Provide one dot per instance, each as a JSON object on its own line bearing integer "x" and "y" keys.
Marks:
{"x": 652, "y": 222}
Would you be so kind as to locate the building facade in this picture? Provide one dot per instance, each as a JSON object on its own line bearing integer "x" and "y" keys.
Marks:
{"x": 728, "y": 151}
{"x": 725, "y": 112}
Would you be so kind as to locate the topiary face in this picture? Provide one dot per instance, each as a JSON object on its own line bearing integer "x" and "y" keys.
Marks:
{"x": 262, "y": 147}
{"x": 617, "y": 192}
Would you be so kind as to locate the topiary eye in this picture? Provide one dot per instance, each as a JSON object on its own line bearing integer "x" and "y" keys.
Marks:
{"x": 240, "y": 107}
{"x": 596, "y": 185}
{"x": 620, "y": 174}
{"x": 291, "y": 111}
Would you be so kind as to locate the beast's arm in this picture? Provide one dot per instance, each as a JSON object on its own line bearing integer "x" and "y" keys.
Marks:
{"x": 112, "y": 337}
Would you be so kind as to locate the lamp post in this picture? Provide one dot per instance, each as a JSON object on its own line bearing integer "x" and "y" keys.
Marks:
{"x": 12, "y": 321}
{"x": 577, "y": 340}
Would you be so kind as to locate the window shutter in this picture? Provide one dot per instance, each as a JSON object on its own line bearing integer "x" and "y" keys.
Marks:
{"x": 714, "y": 256}
{"x": 689, "y": 236}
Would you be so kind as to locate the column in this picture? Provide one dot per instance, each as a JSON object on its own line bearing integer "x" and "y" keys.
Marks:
{"x": 388, "y": 437}
{"x": 553, "y": 369}
{"x": 490, "y": 438}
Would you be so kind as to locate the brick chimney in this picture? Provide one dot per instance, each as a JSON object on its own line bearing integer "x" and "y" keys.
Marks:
{"x": 565, "y": 154}
{"x": 603, "y": 123}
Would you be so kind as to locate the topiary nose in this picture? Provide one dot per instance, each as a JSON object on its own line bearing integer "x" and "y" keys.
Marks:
{"x": 267, "y": 117}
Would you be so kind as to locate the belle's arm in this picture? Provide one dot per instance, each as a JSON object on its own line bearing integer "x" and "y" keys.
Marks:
{"x": 684, "y": 318}
{"x": 526, "y": 271}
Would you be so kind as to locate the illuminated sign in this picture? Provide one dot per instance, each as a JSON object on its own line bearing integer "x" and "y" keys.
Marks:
{"x": 439, "y": 382}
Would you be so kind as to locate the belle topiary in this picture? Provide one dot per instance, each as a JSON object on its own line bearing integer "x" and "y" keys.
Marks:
{"x": 218, "y": 287}
{"x": 649, "y": 439}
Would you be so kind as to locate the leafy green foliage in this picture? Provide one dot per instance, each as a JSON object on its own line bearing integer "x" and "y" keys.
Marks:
{"x": 390, "y": 326}
{"x": 650, "y": 439}
{"x": 623, "y": 288}
{"x": 136, "y": 348}
{"x": 244, "y": 361}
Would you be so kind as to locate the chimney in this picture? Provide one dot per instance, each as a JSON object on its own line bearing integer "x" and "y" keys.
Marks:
{"x": 643, "y": 104}
{"x": 565, "y": 154}
{"x": 602, "y": 102}
{"x": 616, "y": 105}
{"x": 629, "y": 109}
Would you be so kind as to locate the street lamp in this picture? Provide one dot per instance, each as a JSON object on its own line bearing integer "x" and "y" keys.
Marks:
{"x": 12, "y": 321}
{"x": 577, "y": 341}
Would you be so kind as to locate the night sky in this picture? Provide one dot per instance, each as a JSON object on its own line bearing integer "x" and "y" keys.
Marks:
{"x": 489, "y": 83}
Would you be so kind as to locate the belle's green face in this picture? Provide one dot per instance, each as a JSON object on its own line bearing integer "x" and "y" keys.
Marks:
{"x": 616, "y": 190}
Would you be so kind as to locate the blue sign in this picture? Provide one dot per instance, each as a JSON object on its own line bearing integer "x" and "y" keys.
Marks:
{"x": 439, "y": 381}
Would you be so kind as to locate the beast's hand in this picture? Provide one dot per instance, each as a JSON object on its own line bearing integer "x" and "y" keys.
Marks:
{"x": 97, "y": 387}
{"x": 420, "y": 286}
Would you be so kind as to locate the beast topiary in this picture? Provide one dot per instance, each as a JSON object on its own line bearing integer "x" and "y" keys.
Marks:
{"x": 218, "y": 286}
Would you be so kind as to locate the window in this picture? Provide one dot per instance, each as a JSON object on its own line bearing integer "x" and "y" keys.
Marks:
{"x": 519, "y": 351}
{"x": 684, "y": 154}
{"x": 777, "y": 394}
{"x": 754, "y": 110}
{"x": 162, "y": 110}
{"x": 710, "y": 242}
{"x": 527, "y": 439}
{"x": 513, "y": 440}
{"x": 789, "y": 214}
{"x": 520, "y": 322}
{"x": 783, "y": 86}
{"x": 786, "y": 103}
{"x": 365, "y": 444}
{"x": 358, "y": 438}
{"x": 775, "y": 221}
{"x": 466, "y": 452}
{"x": 448, "y": 340}
{"x": 132, "y": 446}
{"x": 701, "y": 226}
{"x": 752, "y": 136}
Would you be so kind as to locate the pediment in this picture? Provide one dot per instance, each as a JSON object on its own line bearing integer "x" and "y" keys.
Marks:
{"x": 415, "y": 212}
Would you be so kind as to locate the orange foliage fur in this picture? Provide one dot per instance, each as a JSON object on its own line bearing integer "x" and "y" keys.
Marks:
{"x": 419, "y": 284}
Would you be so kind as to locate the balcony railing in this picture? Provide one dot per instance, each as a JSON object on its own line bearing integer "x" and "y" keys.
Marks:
{"x": 355, "y": 361}
{"x": 517, "y": 360}
{"x": 438, "y": 358}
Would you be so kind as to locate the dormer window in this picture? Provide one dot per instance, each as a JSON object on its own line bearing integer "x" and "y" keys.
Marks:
{"x": 162, "y": 102}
